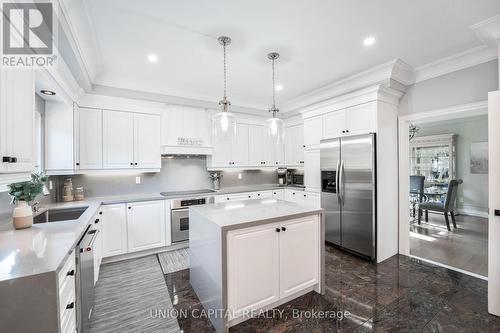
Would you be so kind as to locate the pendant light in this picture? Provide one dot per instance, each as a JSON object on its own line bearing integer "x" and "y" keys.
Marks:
{"x": 275, "y": 127}
{"x": 224, "y": 122}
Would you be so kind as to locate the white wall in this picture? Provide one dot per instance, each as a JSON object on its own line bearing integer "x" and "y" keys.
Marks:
{"x": 465, "y": 86}
{"x": 473, "y": 193}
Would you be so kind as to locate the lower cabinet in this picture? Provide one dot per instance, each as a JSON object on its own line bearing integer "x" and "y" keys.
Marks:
{"x": 133, "y": 227}
{"x": 145, "y": 225}
{"x": 252, "y": 267}
{"x": 279, "y": 194}
{"x": 264, "y": 263}
{"x": 114, "y": 230}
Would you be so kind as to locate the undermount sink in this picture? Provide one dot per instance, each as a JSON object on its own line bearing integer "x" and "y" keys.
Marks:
{"x": 60, "y": 214}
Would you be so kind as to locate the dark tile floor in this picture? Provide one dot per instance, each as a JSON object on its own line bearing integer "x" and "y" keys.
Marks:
{"x": 398, "y": 295}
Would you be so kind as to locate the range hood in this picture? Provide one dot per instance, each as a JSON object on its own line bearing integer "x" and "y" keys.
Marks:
{"x": 186, "y": 150}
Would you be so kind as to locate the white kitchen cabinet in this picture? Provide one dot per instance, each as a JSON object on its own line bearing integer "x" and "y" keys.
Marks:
{"x": 293, "y": 195}
{"x": 258, "y": 153}
{"x": 312, "y": 170}
{"x": 147, "y": 154}
{"x": 118, "y": 139}
{"x": 145, "y": 225}
{"x": 88, "y": 145}
{"x": 263, "y": 194}
{"x": 334, "y": 124}
{"x": 17, "y": 105}
{"x": 114, "y": 230}
{"x": 312, "y": 199}
{"x": 183, "y": 123}
{"x": 239, "y": 149}
{"x": 362, "y": 119}
{"x": 253, "y": 277}
{"x": 264, "y": 263}
{"x": 359, "y": 119}
{"x": 299, "y": 267}
{"x": 59, "y": 137}
{"x": 294, "y": 146}
{"x": 233, "y": 153}
{"x": 313, "y": 132}
{"x": 235, "y": 197}
{"x": 279, "y": 194}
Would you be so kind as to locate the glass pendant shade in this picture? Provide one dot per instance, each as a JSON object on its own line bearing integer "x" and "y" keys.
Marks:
{"x": 275, "y": 129}
{"x": 224, "y": 126}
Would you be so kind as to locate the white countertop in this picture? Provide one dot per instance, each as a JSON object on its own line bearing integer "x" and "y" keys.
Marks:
{"x": 231, "y": 215}
{"x": 44, "y": 247}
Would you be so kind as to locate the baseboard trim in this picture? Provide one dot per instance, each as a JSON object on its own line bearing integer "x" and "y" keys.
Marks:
{"x": 450, "y": 267}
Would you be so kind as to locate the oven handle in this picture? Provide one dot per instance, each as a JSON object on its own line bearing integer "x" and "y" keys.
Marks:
{"x": 180, "y": 210}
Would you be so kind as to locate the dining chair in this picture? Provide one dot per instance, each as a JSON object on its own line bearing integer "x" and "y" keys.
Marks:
{"x": 448, "y": 207}
{"x": 416, "y": 191}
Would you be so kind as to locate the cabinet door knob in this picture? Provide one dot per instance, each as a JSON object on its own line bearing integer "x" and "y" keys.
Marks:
{"x": 497, "y": 212}
{"x": 283, "y": 228}
{"x": 347, "y": 131}
{"x": 100, "y": 213}
{"x": 13, "y": 159}
{"x": 227, "y": 198}
{"x": 129, "y": 207}
{"x": 249, "y": 196}
{"x": 70, "y": 305}
{"x": 258, "y": 194}
{"x": 278, "y": 230}
{"x": 304, "y": 195}
{"x": 71, "y": 273}
{"x": 131, "y": 163}
{"x": 77, "y": 164}
{"x": 96, "y": 221}
{"x": 135, "y": 163}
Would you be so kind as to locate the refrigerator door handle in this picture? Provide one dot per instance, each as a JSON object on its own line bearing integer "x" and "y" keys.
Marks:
{"x": 341, "y": 182}
{"x": 337, "y": 176}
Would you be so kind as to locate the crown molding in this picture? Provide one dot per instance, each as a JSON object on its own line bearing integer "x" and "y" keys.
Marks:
{"x": 395, "y": 73}
{"x": 378, "y": 92}
{"x": 488, "y": 31}
{"x": 88, "y": 65}
{"x": 456, "y": 62}
{"x": 169, "y": 99}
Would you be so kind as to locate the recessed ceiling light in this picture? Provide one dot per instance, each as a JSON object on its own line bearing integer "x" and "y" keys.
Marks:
{"x": 279, "y": 87}
{"x": 369, "y": 41}
{"x": 152, "y": 58}
{"x": 47, "y": 92}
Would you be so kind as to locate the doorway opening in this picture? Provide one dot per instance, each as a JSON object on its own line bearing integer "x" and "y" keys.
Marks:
{"x": 446, "y": 171}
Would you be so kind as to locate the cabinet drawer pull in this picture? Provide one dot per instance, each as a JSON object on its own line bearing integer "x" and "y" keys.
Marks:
{"x": 71, "y": 273}
{"x": 278, "y": 230}
{"x": 70, "y": 305}
{"x": 283, "y": 228}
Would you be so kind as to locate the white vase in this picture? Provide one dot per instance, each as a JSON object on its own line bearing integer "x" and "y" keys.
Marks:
{"x": 23, "y": 215}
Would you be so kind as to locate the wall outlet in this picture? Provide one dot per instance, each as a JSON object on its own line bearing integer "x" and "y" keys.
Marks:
{"x": 240, "y": 176}
{"x": 137, "y": 180}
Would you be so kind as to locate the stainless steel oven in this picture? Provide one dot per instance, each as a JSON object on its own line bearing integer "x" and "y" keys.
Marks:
{"x": 179, "y": 214}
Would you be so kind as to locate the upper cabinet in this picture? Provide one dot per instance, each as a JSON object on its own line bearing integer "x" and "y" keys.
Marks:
{"x": 359, "y": 119}
{"x": 147, "y": 154}
{"x": 118, "y": 140}
{"x": 17, "y": 104}
{"x": 312, "y": 132}
{"x": 249, "y": 149}
{"x": 185, "y": 130}
{"x": 131, "y": 140}
{"x": 88, "y": 134}
{"x": 294, "y": 146}
{"x": 89, "y": 140}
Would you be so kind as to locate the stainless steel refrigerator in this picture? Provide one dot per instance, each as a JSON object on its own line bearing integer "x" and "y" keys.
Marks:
{"x": 348, "y": 193}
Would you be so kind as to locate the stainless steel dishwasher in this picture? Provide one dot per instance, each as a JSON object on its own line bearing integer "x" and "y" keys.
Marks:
{"x": 85, "y": 279}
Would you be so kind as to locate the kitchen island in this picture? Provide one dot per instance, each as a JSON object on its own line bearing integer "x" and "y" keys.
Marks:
{"x": 253, "y": 255}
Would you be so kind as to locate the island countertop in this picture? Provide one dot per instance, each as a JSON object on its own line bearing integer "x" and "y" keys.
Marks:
{"x": 240, "y": 214}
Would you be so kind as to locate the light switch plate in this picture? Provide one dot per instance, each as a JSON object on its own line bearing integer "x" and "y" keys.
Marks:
{"x": 240, "y": 176}
{"x": 138, "y": 180}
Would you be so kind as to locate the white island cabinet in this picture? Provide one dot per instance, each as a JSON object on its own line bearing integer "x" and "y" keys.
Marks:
{"x": 245, "y": 256}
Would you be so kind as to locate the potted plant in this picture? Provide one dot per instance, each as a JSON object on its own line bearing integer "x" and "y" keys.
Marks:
{"x": 23, "y": 194}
